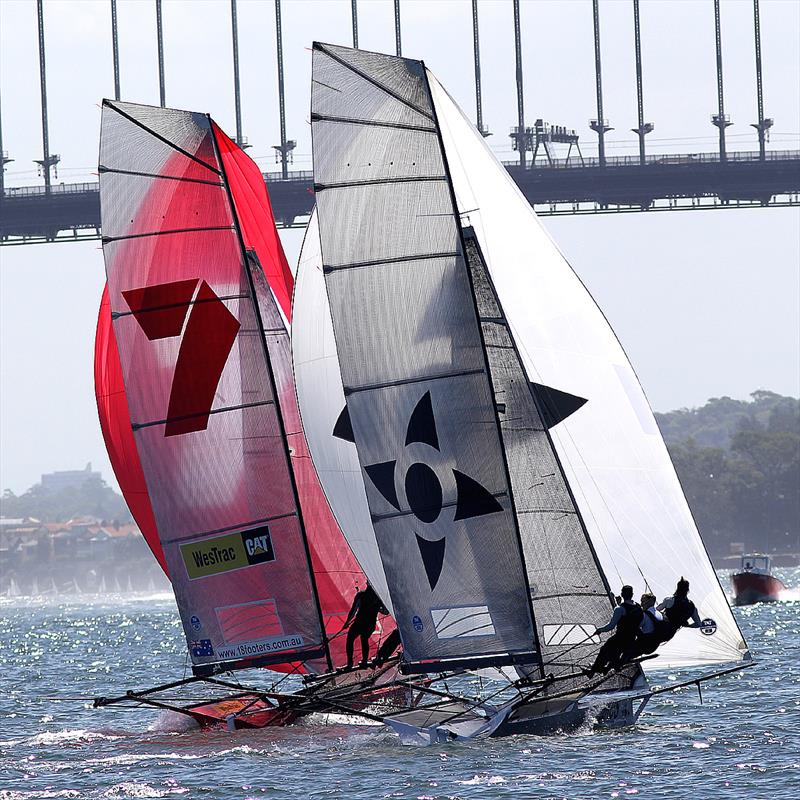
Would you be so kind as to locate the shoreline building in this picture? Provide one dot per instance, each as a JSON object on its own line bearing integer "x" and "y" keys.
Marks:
{"x": 69, "y": 478}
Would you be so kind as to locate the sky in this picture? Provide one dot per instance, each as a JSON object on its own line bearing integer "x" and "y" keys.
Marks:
{"x": 706, "y": 303}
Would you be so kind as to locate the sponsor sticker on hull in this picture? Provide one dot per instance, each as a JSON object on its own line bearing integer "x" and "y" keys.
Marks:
{"x": 226, "y": 553}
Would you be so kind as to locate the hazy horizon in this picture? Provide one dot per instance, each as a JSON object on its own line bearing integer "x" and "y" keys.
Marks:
{"x": 107, "y": 472}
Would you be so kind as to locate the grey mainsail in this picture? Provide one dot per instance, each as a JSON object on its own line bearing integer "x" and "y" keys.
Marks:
{"x": 413, "y": 364}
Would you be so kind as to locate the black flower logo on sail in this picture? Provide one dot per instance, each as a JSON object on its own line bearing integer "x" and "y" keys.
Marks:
{"x": 422, "y": 486}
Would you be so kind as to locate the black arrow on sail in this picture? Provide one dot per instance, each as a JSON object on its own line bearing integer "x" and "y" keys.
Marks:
{"x": 555, "y": 406}
{"x": 432, "y": 557}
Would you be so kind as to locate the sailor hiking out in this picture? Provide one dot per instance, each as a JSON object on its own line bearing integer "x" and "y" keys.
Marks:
{"x": 626, "y": 619}
{"x": 657, "y": 628}
{"x": 654, "y": 630}
{"x": 679, "y": 609}
{"x": 363, "y": 615}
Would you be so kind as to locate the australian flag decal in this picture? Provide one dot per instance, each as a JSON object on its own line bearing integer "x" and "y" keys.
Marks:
{"x": 201, "y": 648}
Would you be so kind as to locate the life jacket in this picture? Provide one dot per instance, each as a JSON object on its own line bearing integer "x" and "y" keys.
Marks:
{"x": 628, "y": 626}
{"x": 680, "y": 612}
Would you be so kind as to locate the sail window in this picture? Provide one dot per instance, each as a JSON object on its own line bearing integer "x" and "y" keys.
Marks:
{"x": 453, "y": 623}
{"x": 246, "y": 621}
{"x": 572, "y": 633}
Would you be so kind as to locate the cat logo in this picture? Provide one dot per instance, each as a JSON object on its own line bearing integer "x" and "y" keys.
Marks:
{"x": 258, "y": 545}
{"x": 227, "y": 553}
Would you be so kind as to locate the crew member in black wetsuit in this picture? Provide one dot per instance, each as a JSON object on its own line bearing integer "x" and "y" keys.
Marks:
{"x": 363, "y": 615}
{"x": 679, "y": 610}
{"x": 626, "y": 619}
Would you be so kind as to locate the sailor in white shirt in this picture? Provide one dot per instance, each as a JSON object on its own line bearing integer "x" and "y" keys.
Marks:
{"x": 652, "y": 615}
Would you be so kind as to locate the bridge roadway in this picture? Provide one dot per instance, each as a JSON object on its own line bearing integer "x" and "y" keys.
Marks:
{"x": 71, "y": 212}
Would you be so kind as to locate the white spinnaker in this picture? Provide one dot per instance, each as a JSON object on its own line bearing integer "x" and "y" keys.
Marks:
{"x": 321, "y": 398}
{"x": 612, "y": 452}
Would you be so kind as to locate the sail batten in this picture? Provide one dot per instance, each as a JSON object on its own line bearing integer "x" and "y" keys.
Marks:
{"x": 441, "y": 376}
{"x": 395, "y": 260}
{"x": 166, "y": 232}
{"x": 138, "y": 174}
{"x": 375, "y": 123}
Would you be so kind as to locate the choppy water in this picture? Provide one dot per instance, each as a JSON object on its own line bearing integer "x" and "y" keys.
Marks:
{"x": 744, "y": 742}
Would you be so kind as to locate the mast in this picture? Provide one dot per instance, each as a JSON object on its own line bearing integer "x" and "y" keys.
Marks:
{"x": 274, "y": 388}
{"x": 457, "y": 221}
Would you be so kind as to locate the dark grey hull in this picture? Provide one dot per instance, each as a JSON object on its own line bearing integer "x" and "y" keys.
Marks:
{"x": 547, "y": 718}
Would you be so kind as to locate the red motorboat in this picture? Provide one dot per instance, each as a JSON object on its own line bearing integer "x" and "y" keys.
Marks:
{"x": 755, "y": 583}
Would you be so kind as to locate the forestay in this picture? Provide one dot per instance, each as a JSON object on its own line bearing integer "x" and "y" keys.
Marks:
{"x": 413, "y": 365}
{"x": 613, "y": 456}
{"x": 200, "y": 393}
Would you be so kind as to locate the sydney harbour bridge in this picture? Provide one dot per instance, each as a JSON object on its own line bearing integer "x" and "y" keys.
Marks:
{"x": 553, "y": 182}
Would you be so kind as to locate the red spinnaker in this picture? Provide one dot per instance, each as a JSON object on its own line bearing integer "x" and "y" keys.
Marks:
{"x": 256, "y": 220}
{"x": 115, "y": 423}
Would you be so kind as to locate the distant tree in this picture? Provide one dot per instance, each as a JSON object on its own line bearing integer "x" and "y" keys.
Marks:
{"x": 715, "y": 423}
{"x": 94, "y": 498}
{"x": 739, "y": 464}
